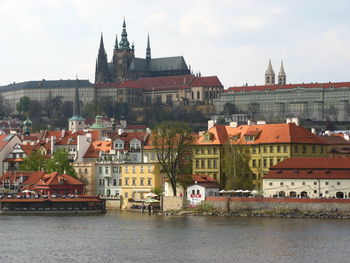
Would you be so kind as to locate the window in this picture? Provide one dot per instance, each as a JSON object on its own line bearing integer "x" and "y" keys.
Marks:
{"x": 296, "y": 149}
{"x": 264, "y": 163}
{"x": 133, "y": 181}
{"x": 99, "y": 170}
{"x": 278, "y": 160}
{"x": 80, "y": 170}
{"x": 106, "y": 169}
{"x": 149, "y": 181}
{"x": 126, "y": 181}
{"x": 259, "y": 163}
{"x": 108, "y": 183}
{"x": 278, "y": 148}
{"x": 193, "y": 192}
{"x": 271, "y": 149}
{"x": 210, "y": 150}
{"x": 326, "y": 192}
{"x": 114, "y": 182}
{"x": 126, "y": 169}
{"x": 215, "y": 150}
{"x": 99, "y": 181}
{"x": 315, "y": 191}
{"x": 265, "y": 149}
{"x": 313, "y": 149}
{"x": 271, "y": 162}
{"x": 304, "y": 148}
{"x": 292, "y": 183}
{"x": 126, "y": 195}
{"x": 133, "y": 169}
{"x": 141, "y": 169}
{"x": 209, "y": 164}
{"x": 120, "y": 181}
{"x": 303, "y": 183}
{"x": 315, "y": 183}
{"x": 142, "y": 181}
{"x": 254, "y": 163}
{"x": 285, "y": 148}
{"x": 321, "y": 149}
{"x": 197, "y": 164}
{"x": 281, "y": 183}
{"x": 254, "y": 149}
{"x": 103, "y": 182}
{"x": 326, "y": 183}
{"x": 198, "y": 192}
{"x": 85, "y": 171}
{"x": 214, "y": 164}
{"x": 115, "y": 169}
{"x": 149, "y": 169}
{"x": 338, "y": 183}
{"x": 270, "y": 184}
{"x": 202, "y": 163}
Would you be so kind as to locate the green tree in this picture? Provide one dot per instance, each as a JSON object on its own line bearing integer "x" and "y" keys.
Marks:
{"x": 230, "y": 108}
{"x": 23, "y": 106}
{"x": 4, "y": 107}
{"x": 36, "y": 161}
{"x": 236, "y": 166}
{"x": 60, "y": 163}
{"x": 172, "y": 142}
{"x": 253, "y": 110}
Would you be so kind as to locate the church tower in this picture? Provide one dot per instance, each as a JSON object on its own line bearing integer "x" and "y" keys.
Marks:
{"x": 76, "y": 122}
{"x": 282, "y": 78}
{"x": 148, "y": 52}
{"x": 269, "y": 75}
{"x": 122, "y": 57}
{"x": 101, "y": 72}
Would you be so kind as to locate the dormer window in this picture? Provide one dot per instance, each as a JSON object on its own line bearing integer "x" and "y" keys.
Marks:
{"x": 249, "y": 138}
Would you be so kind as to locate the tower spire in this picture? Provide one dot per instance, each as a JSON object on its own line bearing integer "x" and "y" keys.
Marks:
{"x": 116, "y": 42}
{"x": 148, "y": 49}
{"x": 282, "y": 78}
{"x": 124, "y": 43}
{"x": 101, "y": 73}
{"x": 269, "y": 75}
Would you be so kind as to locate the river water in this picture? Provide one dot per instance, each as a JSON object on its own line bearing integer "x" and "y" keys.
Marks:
{"x": 132, "y": 237}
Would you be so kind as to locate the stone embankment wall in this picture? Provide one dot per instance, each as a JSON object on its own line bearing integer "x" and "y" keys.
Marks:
{"x": 237, "y": 204}
{"x": 172, "y": 203}
{"x": 112, "y": 203}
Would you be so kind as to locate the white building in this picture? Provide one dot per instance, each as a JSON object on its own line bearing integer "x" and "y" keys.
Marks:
{"x": 314, "y": 177}
{"x": 199, "y": 191}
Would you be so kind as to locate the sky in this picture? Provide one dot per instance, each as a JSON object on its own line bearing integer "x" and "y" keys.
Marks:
{"x": 233, "y": 39}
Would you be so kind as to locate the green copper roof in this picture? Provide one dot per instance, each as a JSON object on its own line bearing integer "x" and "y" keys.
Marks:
{"x": 98, "y": 126}
{"x": 27, "y": 122}
{"x": 77, "y": 118}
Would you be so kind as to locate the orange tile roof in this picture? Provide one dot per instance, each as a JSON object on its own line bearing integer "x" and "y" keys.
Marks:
{"x": 54, "y": 179}
{"x": 29, "y": 178}
{"x": 264, "y": 133}
{"x": 95, "y": 147}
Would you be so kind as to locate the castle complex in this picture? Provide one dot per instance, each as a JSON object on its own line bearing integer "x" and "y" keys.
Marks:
{"x": 125, "y": 66}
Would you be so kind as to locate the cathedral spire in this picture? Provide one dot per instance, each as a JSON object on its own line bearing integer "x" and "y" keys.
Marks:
{"x": 124, "y": 43}
{"x": 148, "y": 49}
{"x": 101, "y": 73}
{"x": 116, "y": 42}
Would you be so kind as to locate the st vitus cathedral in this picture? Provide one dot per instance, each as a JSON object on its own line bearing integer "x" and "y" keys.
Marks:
{"x": 125, "y": 65}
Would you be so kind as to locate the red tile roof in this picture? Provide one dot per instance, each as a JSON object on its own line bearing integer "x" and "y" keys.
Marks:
{"x": 54, "y": 178}
{"x": 168, "y": 82}
{"x": 311, "y": 168}
{"x": 29, "y": 178}
{"x": 289, "y": 86}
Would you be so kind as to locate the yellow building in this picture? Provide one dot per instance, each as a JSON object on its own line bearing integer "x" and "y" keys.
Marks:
{"x": 138, "y": 179}
{"x": 269, "y": 144}
{"x": 86, "y": 172}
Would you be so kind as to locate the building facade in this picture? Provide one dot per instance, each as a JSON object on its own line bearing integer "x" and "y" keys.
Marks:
{"x": 274, "y": 102}
{"x": 322, "y": 177}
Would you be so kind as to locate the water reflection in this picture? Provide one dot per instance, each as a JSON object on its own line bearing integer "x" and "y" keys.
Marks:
{"x": 132, "y": 237}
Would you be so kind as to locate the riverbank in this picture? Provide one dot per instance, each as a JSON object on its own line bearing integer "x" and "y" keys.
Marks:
{"x": 268, "y": 214}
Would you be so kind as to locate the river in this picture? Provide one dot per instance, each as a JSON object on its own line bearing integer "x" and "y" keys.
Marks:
{"x": 132, "y": 237}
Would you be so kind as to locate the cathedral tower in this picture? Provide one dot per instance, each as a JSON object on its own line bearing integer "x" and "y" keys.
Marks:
{"x": 269, "y": 75}
{"x": 282, "y": 78}
{"x": 76, "y": 122}
{"x": 122, "y": 57}
{"x": 101, "y": 72}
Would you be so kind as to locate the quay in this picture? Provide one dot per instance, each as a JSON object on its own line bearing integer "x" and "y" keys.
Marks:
{"x": 78, "y": 205}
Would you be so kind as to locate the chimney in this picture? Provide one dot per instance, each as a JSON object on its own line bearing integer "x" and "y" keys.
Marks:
{"x": 52, "y": 144}
{"x": 63, "y": 132}
{"x": 211, "y": 124}
{"x": 313, "y": 130}
{"x": 233, "y": 124}
{"x": 120, "y": 131}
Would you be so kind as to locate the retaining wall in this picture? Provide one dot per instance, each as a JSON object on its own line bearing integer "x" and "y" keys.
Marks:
{"x": 237, "y": 204}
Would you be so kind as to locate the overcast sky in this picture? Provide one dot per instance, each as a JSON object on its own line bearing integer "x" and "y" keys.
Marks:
{"x": 233, "y": 39}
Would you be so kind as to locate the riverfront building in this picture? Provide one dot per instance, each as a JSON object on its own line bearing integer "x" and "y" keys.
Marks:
{"x": 309, "y": 177}
{"x": 268, "y": 144}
